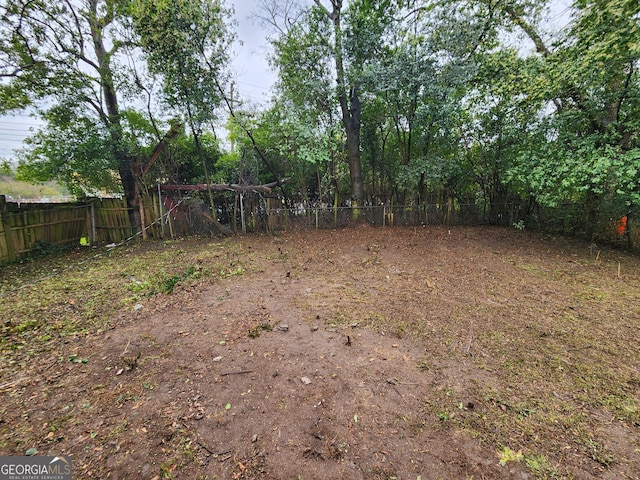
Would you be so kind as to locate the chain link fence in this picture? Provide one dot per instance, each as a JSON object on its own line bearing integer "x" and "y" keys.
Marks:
{"x": 602, "y": 226}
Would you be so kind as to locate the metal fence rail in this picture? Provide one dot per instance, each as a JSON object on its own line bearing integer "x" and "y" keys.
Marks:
{"x": 383, "y": 215}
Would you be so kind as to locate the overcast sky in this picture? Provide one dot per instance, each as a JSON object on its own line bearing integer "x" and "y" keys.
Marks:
{"x": 253, "y": 77}
{"x": 253, "y": 74}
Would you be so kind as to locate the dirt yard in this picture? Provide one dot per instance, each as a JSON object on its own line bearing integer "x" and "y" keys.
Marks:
{"x": 365, "y": 353}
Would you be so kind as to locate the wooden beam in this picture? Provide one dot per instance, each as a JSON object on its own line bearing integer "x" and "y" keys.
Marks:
{"x": 231, "y": 187}
{"x": 173, "y": 132}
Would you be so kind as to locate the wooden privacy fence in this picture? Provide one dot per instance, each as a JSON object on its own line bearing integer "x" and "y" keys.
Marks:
{"x": 24, "y": 226}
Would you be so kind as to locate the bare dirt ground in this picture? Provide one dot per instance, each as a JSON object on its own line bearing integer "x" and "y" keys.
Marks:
{"x": 365, "y": 353}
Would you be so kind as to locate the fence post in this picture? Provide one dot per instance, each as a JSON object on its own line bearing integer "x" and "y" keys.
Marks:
{"x": 6, "y": 226}
{"x": 160, "y": 210}
{"x": 93, "y": 223}
{"x": 244, "y": 228}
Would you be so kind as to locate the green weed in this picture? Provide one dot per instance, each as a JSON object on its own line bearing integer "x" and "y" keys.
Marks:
{"x": 254, "y": 332}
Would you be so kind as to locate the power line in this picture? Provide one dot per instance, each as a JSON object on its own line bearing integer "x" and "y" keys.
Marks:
{"x": 5, "y": 129}
{"x": 18, "y": 140}
{"x": 266, "y": 89}
{"x": 11, "y": 122}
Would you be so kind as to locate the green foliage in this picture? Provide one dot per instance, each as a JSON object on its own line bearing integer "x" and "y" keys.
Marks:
{"x": 170, "y": 283}
{"x": 559, "y": 124}
{"x": 5, "y": 168}
{"x": 42, "y": 249}
{"x": 72, "y": 149}
{"x": 300, "y": 143}
{"x": 589, "y": 146}
{"x": 139, "y": 131}
{"x": 508, "y": 455}
{"x": 255, "y": 332}
{"x": 186, "y": 42}
{"x": 66, "y": 56}
{"x": 466, "y": 99}
{"x": 181, "y": 163}
{"x": 367, "y": 23}
{"x": 303, "y": 58}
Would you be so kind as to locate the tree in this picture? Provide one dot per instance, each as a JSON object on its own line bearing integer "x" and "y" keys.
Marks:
{"x": 72, "y": 148}
{"x": 187, "y": 42}
{"x": 71, "y": 54}
{"x": 349, "y": 101}
{"x": 589, "y": 146}
{"x": 321, "y": 53}
{"x": 303, "y": 145}
{"x": 5, "y": 168}
{"x": 554, "y": 119}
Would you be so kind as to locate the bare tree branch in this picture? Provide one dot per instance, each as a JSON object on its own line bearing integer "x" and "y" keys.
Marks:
{"x": 529, "y": 30}
{"x": 281, "y": 15}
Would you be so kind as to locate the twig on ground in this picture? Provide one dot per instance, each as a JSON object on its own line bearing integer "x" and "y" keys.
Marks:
{"x": 467, "y": 347}
{"x": 12, "y": 384}
{"x": 126, "y": 348}
{"x": 51, "y": 366}
{"x": 207, "y": 448}
{"x": 224, "y": 374}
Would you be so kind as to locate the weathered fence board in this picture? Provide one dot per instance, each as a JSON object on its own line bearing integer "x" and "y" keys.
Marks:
{"x": 99, "y": 220}
{"x": 6, "y": 252}
{"x": 111, "y": 220}
{"x": 24, "y": 225}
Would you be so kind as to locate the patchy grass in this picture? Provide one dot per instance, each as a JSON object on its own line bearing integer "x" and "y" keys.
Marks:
{"x": 527, "y": 348}
{"x": 83, "y": 291}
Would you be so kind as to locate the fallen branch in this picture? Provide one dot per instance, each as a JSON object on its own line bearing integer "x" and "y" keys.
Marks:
{"x": 467, "y": 347}
{"x": 224, "y": 374}
{"x": 126, "y": 348}
{"x": 222, "y": 187}
{"x": 397, "y": 391}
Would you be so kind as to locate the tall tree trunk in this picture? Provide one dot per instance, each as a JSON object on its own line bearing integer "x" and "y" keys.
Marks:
{"x": 113, "y": 120}
{"x": 352, "y": 123}
{"x": 350, "y": 108}
{"x": 131, "y": 191}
